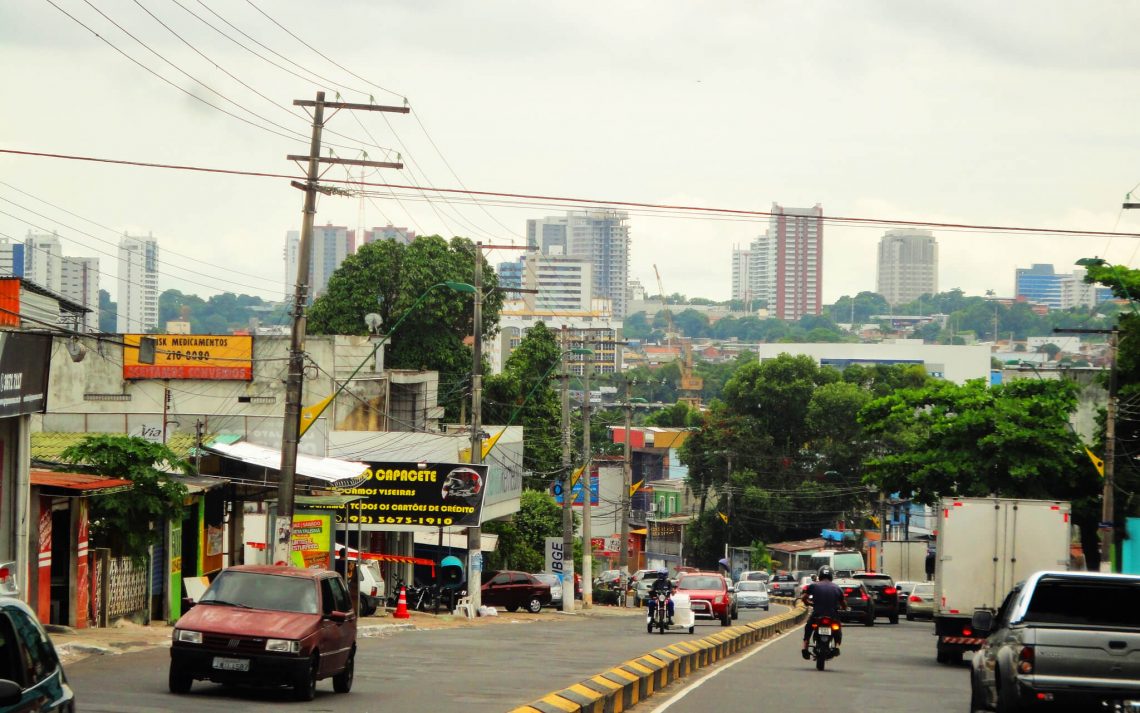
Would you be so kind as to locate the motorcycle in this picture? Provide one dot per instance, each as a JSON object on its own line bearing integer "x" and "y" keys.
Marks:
{"x": 825, "y": 631}
{"x": 658, "y": 616}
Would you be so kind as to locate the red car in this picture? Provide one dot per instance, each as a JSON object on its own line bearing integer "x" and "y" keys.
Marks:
{"x": 708, "y": 594}
{"x": 268, "y": 625}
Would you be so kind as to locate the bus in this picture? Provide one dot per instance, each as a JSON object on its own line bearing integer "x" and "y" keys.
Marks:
{"x": 843, "y": 563}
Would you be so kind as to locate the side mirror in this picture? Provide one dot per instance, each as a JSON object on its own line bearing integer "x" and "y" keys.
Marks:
{"x": 10, "y": 692}
{"x": 982, "y": 621}
{"x": 338, "y": 616}
{"x": 732, "y": 590}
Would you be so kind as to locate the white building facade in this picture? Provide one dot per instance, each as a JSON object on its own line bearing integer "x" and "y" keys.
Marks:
{"x": 561, "y": 284}
{"x": 599, "y": 236}
{"x": 742, "y": 275}
{"x": 595, "y": 329}
{"x": 138, "y": 285}
{"x": 908, "y": 265}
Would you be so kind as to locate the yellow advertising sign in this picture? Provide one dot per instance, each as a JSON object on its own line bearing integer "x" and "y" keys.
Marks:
{"x": 312, "y": 540}
{"x": 211, "y": 357}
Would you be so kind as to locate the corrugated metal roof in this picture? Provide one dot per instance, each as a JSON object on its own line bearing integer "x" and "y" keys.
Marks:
{"x": 49, "y": 445}
{"x": 76, "y": 481}
{"x": 330, "y": 470}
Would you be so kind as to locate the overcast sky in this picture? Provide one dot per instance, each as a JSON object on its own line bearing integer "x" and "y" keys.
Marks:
{"x": 1015, "y": 113}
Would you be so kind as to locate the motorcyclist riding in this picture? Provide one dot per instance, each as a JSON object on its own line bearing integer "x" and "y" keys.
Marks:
{"x": 826, "y": 599}
{"x": 662, "y": 585}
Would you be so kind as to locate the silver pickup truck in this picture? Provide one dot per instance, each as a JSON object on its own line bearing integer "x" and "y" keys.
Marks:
{"x": 1063, "y": 641}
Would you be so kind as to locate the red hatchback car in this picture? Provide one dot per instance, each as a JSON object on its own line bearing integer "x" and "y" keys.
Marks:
{"x": 268, "y": 625}
{"x": 708, "y": 595}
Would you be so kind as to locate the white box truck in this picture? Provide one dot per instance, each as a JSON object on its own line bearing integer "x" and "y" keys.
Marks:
{"x": 905, "y": 560}
{"x": 984, "y": 547}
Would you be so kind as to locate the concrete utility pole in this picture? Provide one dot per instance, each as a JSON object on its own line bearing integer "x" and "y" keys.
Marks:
{"x": 587, "y": 492}
{"x": 567, "y": 494}
{"x": 627, "y": 485}
{"x": 475, "y": 534}
{"x": 294, "y": 382}
{"x": 1108, "y": 508}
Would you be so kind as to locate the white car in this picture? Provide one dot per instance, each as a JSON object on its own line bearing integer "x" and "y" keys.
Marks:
{"x": 555, "y": 583}
{"x": 751, "y": 594}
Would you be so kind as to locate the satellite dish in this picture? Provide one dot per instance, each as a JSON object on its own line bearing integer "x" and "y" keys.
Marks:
{"x": 374, "y": 322}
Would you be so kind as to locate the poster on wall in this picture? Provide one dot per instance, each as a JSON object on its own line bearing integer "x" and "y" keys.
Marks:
{"x": 24, "y": 360}
{"x": 432, "y": 494}
{"x": 312, "y": 540}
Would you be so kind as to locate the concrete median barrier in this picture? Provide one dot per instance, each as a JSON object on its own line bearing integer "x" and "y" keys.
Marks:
{"x": 623, "y": 686}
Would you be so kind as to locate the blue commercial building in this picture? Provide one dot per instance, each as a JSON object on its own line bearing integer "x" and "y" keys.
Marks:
{"x": 511, "y": 276}
{"x": 1040, "y": 284}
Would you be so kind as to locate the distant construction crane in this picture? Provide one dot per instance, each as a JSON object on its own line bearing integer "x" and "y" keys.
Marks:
{"x": 691, "y": 385}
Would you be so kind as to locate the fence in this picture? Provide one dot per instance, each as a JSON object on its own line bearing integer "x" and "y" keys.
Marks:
{"x": 125, "y": 588}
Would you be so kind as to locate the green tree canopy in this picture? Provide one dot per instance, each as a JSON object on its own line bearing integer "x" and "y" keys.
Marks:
{"x": 125, "y": 521}
{"x": 388, "y": 277}
{"x": 522, "y": 540}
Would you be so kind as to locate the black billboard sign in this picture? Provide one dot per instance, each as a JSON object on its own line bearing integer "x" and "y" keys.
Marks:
{"x": 432, "y": 494}
{"x": 24, "y": 360}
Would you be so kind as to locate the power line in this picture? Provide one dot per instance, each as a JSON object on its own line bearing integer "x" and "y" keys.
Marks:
{"x": 702, "y": 210}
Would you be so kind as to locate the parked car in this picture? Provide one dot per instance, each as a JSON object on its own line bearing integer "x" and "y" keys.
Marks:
{"x": 511, "y": 590}
{"x": 709, "y": 595}
{"x": 860, "y": 607}
{"x": 883, "y": 592}
{"x": 752, "y": 594}
{"x": 609, "y": 579}
{"x": 31, "y": 676}
{"x": 920, "y": 604}
{"x": 555, "y": 583}
{"x": 371, "y": 587}
{"x": 904, "y": 594}
{"x": 783, "y": 584}
{"x": 268, "y": 625}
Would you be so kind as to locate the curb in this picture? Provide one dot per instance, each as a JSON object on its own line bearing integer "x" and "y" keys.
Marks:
{"x": 627, "y": 684}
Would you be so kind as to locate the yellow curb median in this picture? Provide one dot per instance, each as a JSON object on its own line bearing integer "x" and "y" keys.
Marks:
{"x": 619, "y": 688}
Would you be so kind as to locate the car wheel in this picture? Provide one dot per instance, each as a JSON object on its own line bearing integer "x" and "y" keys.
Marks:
{"x": 512, "y": 607}
{"x": 342, "y": 682}
{"x": 869, "y": 621}
{"x": 976, "y": 699}
{"x": 765, "y": 608}
{"x": 909, "y": 616}
{"x": 894, "y": 619}
{"x": 726, "y": 619}
{"x": 692, "y": 629}
{"x": 941, "y": 657}
{"x": 735, "y": 613}
{"x": 1006, "y": 702}
{"x": 534, "y": 606}
{"x": 305, "y": 687}
{"x": 179, "y": 682}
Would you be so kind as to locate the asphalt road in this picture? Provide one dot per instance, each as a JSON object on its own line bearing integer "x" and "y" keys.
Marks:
{"x": 485, "y": 669}
{"x": 885, "y": 668}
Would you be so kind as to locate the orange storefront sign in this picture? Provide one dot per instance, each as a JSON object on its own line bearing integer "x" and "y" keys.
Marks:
{"x": 211, "y": 357}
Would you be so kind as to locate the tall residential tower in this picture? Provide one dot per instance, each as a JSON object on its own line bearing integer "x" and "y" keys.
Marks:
{"x": 786, "y": 263}
{"x": 600, "y": 237}
{"x": 138, "y": 285}
{"x": 908, "y": 265}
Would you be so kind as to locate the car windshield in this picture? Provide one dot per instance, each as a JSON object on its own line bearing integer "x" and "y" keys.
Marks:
{"x": 749, "y": 586}
{"x": 783, "y": 578}
{"x": 699, "y": 582}
{"x": 258, "y": 590}
{"x": 923, "y": 589}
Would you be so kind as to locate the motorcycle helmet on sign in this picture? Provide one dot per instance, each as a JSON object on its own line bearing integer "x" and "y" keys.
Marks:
{"x": 461, "y": 483}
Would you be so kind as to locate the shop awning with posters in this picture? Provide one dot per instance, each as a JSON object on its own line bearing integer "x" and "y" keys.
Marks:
{"x": 76, "y": 485}
{"x": 336, "y": 472}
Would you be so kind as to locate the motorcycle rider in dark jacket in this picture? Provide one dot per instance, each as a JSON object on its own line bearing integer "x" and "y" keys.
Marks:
{"x": 661, "y": 585}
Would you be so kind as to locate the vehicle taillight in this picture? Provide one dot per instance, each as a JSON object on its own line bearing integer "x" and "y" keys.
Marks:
{"x": 847, "y": 592}
{"x": 1025, "y": 660}
{"x": 374, "y": 591}
{"x": 967, "y": 631}
{"x": 835, "y": 626}
{"x": 863, "y": 596}
{"x": 890, "y": 591}
{"x": 915, "y": 598}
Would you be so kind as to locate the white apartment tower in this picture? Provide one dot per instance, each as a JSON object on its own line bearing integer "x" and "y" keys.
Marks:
{"x": 76, "y": 278}
{"x": 786, "y": 265}
{"x": 330, "y": 245}
{"x": 562, "y": 284}
{"x": 741, "y": 276}
{"x": 599, "y": 236}
{"x": 138, "y": 285}
{"x": 908, "y": 265}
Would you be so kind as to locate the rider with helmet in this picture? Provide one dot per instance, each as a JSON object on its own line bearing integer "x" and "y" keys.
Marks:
{"x": 661, "y": 585}
{"x": 826, "y": 599}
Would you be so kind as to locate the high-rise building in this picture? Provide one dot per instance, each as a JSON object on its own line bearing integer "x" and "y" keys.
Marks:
{"x": 511, "y": 275}
{"x": 786, "y": 265}
{"x": 742, "y": 275}
{"x": 388, "y": 232}
{"x": 76, "y": 278}
{"x": 138, "y": 285}
{"x": 600, "y": 236}
{"x": 11, "y": 258}
{"x": 559, "y": 284}
{"x": 908, "y": 265}
{"x": 330, "y": 245}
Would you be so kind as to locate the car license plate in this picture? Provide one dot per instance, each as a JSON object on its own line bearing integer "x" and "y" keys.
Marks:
{"x": 224, "y": 664}
{"x": 825, "y": 632}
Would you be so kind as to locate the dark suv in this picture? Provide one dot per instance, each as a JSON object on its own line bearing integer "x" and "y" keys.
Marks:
{"x": 860, "y": 608}
{"x": 883, "y": 592}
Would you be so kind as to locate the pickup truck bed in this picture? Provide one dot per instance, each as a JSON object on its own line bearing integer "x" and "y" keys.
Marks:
{"x": 1067, "y": 638}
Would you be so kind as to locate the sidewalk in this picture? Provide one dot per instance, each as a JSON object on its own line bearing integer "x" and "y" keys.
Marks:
{"x": 125, "y": 636}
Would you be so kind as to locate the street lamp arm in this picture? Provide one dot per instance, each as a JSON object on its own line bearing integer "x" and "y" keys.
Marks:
{"x": 310, "y": 415}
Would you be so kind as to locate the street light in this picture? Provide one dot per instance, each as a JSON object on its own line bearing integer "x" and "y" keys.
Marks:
{"x": 286, "y": 486}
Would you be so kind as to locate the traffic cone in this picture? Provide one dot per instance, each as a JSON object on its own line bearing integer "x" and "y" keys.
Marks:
{"x": 402, "y": 605}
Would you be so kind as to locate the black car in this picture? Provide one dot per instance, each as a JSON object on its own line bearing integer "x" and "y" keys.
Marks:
{"x": 31, "y": 676}
{"x": 883, "y": 592}
{"x": 783, "y": 584}
{"x": 860, "y": 608}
